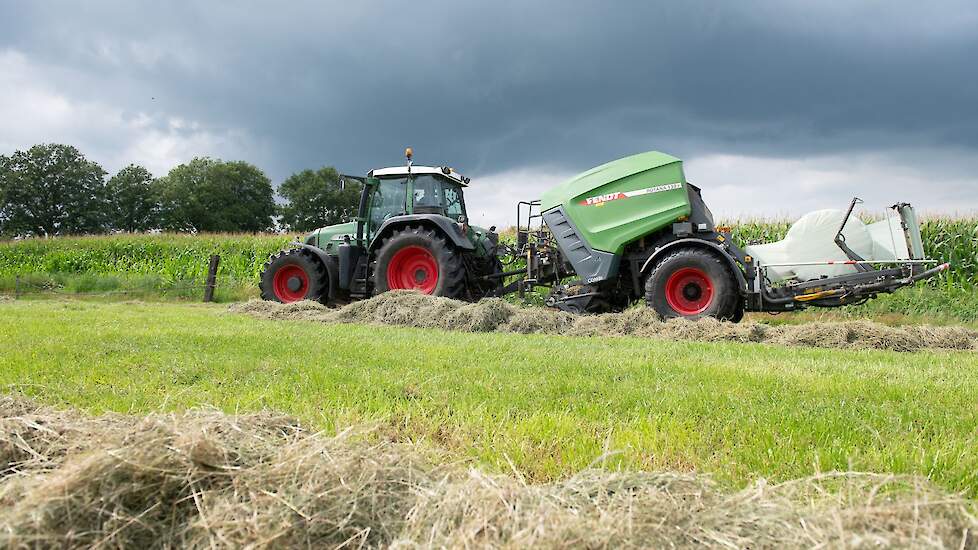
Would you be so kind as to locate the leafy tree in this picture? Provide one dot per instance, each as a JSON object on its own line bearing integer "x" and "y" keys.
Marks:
{"x": 212, "y": 195}
{"x": 133, "y": 200}
{"x": 6, "y": 231}
{"x": 51, "y": 189}
{"x": 315, "y": 198}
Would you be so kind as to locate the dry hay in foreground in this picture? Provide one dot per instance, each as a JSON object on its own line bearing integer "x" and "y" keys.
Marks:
{"x": 206, "y": 479}
{"x": 412, "y": 309}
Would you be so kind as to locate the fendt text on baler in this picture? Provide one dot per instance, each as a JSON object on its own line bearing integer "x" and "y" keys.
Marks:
{"x": 629, "y": 230}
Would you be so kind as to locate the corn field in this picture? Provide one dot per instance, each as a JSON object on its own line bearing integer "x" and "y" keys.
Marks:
{"x": 182, "y": 257}
{"x": 170, "y": 257}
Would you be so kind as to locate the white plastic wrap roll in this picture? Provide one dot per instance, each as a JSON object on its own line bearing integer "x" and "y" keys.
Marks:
{"x": 812, "y": 239}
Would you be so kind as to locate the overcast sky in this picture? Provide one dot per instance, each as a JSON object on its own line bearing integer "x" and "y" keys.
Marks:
{"x": 777, "y": 107}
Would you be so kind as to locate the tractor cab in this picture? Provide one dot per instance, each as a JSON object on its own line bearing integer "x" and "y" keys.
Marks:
{"x": 412, "y": 190}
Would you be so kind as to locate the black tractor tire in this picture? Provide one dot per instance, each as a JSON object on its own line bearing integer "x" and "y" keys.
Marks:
{"x": 738, "y": 314}
{"x": 419, "y": 258}
{"x": 692, "y": 283}
{"x": 293, "y": 275}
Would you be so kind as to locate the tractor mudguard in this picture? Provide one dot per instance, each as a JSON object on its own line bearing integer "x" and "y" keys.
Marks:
{"x": 332, "y": 271}
{"x": 447, "y": 226}
{"x": 741, "y": 281}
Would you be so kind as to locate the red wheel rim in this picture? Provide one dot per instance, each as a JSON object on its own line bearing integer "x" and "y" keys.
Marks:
{"x": 413, "y": 267}
{"x": 689, "y": 291}
{"x": 290, "y": 283}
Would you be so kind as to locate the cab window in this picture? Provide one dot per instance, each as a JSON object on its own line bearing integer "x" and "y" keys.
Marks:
{"x": 388, "y": 200}
{"x": 427, "y": 194}
{"x": 454, "y": 205}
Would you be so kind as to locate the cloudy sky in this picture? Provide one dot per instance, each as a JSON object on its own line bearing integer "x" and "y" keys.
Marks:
{"x": 777, "y": 107}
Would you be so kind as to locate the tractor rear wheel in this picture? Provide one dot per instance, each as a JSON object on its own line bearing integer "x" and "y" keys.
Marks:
{"x": 293, "y": 275}
{"x": 692, "y": 283}
{"x": 417, "y": 258}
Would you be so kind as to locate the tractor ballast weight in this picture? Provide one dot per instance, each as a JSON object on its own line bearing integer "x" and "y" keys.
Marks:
{"x": 624, "y": 231}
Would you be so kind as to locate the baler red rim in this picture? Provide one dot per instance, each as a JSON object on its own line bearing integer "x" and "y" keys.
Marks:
{"x": 689, "y": 291}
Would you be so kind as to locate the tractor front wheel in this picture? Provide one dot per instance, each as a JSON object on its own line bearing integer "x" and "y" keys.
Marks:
{"x": 692, "y": 283}
{"x": 293, "y": 275}
{"x": 417, "y": 258}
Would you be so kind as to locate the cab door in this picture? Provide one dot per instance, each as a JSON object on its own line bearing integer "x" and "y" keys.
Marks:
{"x": 388, "y": 198}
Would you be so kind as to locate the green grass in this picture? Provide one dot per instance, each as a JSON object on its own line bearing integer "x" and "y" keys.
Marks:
{"x": 123, "y": 287}
{"x": 548, "y": 405}
{"x": 920, "y": 304}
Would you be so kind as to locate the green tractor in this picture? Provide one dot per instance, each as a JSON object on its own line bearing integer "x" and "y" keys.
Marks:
{"x": 630, "y": 230}
{"x": 411, "y": 232}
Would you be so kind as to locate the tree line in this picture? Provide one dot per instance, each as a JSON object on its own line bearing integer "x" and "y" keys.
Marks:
{"x": 52, "y": 189}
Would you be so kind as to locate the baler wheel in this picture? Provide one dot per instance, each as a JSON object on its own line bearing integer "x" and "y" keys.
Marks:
{"x": 421, "y": 259}
{"x": 293, "y": 275}
{"x": 692, "y": 283}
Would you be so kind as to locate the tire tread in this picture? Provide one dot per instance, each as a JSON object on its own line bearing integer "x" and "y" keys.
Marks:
{"x": 308, "y": 261}
{"x": 726, "y": 307}
{"x": 450, "y": 263}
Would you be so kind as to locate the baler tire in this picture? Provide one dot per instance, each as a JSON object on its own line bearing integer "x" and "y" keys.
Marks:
{"x": 301, "y": 264}
{"x": 692, "y": 283}
{"x": 426, "y": 249}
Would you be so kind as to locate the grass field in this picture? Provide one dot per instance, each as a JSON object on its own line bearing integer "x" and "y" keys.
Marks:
{"x": 550, "y": 406}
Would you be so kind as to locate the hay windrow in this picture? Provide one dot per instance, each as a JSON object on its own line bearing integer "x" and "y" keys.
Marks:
{"x": 206, "y": 479}
{"x": 412, "y": 309}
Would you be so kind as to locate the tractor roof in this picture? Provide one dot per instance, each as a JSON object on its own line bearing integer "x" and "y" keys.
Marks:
{"x": 403, "y": 171}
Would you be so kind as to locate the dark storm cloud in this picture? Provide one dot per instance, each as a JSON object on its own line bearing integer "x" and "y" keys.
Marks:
{"x": 504, "y": 85}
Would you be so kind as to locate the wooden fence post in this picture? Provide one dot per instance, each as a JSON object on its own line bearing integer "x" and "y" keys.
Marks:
{"x": 211, "y": 278}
